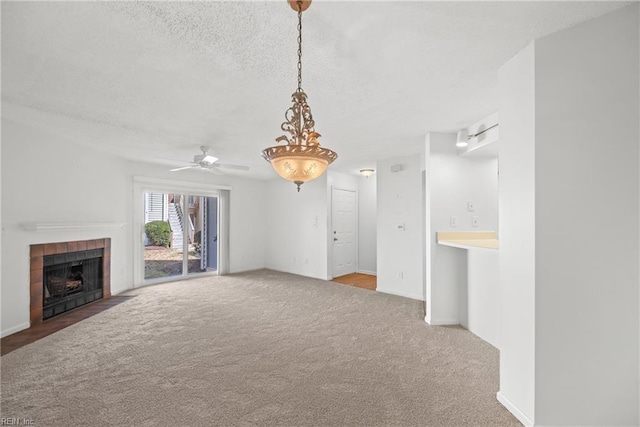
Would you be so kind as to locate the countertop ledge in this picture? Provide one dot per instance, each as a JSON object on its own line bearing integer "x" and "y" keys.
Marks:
{"x": 469, "y": 239}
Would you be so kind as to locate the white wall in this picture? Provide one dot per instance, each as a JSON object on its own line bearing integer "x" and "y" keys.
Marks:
{"x": 569, "y": 232}
{"x": 517, "y": 235}
{"x": 296, "y": 223}
{"x": 480, "y": 312}
{"x": 298, "y": 240}
{"x": 587, "y": 209}
{"x": 367, "y": 219}
{"x": 342, "y": 181}
{"x": 400, "y": 253}
{"x": 456, "y": 180}
{"x": 48, "y": 179}
{"x": 452, "y": 182}
{"x": 247, "y": 231}
{"x": 1, "y": 230}
{"x": 446, "y": 267}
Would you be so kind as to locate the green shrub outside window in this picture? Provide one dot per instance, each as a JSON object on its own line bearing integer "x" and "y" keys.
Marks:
{"x": 158, "y": 233}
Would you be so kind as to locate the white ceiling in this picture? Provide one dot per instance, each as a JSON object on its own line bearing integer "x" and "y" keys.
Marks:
{"x": 152, "y": 81}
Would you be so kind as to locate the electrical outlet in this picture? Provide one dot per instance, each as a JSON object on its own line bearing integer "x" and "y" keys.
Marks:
{"x": 474, "y": 221}
{"x": 453, "y": 221}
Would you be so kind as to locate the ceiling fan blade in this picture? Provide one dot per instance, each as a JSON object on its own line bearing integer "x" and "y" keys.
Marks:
{"x": 183, "y": 168}
{"x": 174, "y": 160}
{"x": 214, "y": 169}
{"x": 237, "y": 167}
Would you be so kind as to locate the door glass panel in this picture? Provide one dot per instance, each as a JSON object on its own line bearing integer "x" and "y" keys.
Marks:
{"x": 163, "y": 256}
{"x": 195, "y": 225}
{"x": 202, "y": 255}
{"x": 212, "y": 233}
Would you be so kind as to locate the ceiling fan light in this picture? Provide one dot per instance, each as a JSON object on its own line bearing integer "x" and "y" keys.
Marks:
{"x": 209, "y": 159}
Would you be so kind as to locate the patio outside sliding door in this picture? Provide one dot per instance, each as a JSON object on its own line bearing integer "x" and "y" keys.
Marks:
{"x": 180, "y": 235}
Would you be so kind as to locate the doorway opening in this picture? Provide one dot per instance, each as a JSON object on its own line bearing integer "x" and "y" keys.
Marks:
{"x": 180, "y": 235}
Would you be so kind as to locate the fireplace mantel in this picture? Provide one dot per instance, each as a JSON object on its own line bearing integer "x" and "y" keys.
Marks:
{"x": 68, "y": 226}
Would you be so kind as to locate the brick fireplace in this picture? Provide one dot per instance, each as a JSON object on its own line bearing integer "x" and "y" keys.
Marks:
{"x": 43, "y": 256}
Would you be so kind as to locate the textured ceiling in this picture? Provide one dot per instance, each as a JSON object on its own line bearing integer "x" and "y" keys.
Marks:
{"x": 152, "y": 81}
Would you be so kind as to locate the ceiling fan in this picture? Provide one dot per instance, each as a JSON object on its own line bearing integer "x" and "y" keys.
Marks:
{"x": 208, "y": 162}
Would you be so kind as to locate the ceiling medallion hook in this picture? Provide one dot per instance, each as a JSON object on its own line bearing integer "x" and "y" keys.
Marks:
{"x": 301, "y": 159}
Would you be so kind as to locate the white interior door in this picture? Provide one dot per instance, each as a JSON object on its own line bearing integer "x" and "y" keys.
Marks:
{"x": 343, "y": 221}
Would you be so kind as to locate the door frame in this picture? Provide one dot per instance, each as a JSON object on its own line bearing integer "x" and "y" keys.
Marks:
{"x": 142, "y": 185}
{"x": 330, "y": 276}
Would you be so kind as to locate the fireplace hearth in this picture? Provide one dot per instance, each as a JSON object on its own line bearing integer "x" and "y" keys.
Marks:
{"x": 67, "y": 275}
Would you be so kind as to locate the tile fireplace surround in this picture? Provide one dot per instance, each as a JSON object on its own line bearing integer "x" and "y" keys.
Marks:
{"x": 37, "y": 254}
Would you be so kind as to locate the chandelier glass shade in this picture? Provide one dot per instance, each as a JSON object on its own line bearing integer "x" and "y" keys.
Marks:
{"x": 301, "y": 159}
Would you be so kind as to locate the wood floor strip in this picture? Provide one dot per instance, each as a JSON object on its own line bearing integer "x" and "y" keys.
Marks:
{"x": 48, "y": 327}
{"x": 359, "y": 280}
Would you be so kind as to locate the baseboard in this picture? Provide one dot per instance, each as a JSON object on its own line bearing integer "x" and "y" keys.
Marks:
{"x": 442, "y": 322}
{"x": 15, "y": 329}
{"x": 514, "y": 409}
{"x": 400, "y": 294}
{"x": 371, "y": 273}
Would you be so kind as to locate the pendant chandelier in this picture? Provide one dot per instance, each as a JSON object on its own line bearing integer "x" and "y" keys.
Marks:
{"x": 301, "y": 159}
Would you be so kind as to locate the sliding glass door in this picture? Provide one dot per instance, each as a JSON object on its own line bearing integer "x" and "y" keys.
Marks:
{"x": 180, "y": 235}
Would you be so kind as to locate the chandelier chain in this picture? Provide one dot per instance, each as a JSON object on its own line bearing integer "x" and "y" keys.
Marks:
{"x": 301, "y": 159}
{"x": 299, "y": 46}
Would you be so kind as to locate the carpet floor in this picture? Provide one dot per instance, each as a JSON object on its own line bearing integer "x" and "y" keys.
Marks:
{"x": 261, "y": 348}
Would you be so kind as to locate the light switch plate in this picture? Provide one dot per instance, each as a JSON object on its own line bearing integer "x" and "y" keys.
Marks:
{"x": 471, "y": 207}
{"x": 453, "y": 221}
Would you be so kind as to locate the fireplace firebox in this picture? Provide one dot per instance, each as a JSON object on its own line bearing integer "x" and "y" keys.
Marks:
{"x": 71, "y": 280}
